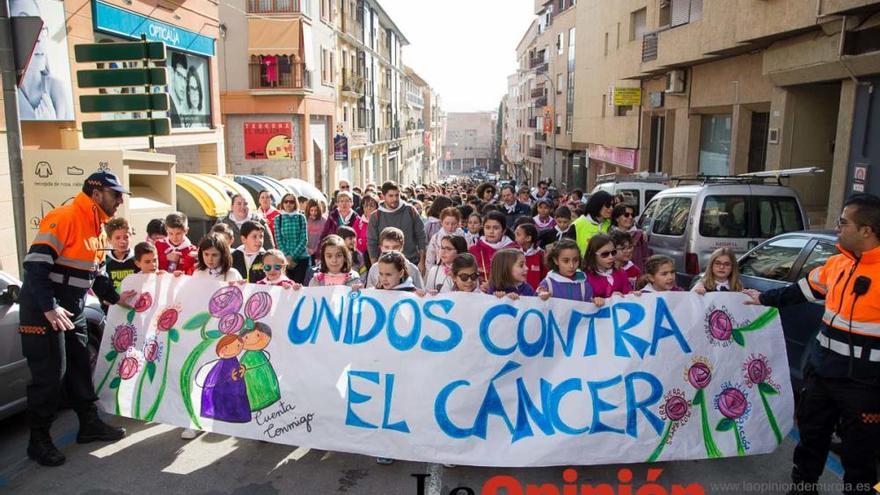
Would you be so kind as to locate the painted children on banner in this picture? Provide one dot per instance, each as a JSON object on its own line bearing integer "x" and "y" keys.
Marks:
{"x": 335, "y": 266}
{"x": 260, "y": 379}
{"x": 450, "y": 219}
{"x": 605, "y": 279}
{"x": 508, "y": 275}
{"x": 275, "y": 267}
{"x": 224, "y": 393}
{"x": 176, "y": 252}
{"x": 439, "y": 278}
{"x": 722, "y": 275}
{"x": 392, "y": 239}
{"x": 659, "y": 275}
{"x": 247, "y": 258}
{"x": 566, "y": 280}
{"x": 492, "y": 240}
{"x": 526, "y": 237}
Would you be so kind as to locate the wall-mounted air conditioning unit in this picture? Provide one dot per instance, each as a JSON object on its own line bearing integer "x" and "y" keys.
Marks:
{"x": 675, "y": 82}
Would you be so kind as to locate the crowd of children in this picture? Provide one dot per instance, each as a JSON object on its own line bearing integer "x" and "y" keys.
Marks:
{"x": 470, "y": 250}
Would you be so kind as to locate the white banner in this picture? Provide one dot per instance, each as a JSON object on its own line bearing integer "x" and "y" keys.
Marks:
{"x": 456, "y": 378}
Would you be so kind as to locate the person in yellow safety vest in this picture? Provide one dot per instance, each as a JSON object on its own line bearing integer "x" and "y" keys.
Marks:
{"x": 596, "y": 220}
{"x": 842, "y": 374}
{"x": 59, "y": 269}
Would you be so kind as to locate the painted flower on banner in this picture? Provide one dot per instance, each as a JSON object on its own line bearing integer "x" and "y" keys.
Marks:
{"x": 152, "y": 350}
{"x": 123, "y": 338}
{"x": 699, "y": 374}
{"x": 231, "y": 323}
{"x": 226, "y": 300}
{"x": 719, "y": 326}
{"x": 757, "y": 373}
{"x": 676, "y": 410}
{"x": 258, "y": 305}
{"x": 168, "y": 318}
{"x": 733, "y": 403}
{"x": 143, "y": 302}
{"x": 128, "y": 367}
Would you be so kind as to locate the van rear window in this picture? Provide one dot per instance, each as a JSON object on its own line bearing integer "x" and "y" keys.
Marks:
{"x": 725, "y": 216}
{"x": 777, "y": 215}
{"x": 671, "y": 216}
{"x": 729, "y": 216}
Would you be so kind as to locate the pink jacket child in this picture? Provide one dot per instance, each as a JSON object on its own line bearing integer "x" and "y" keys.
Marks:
{"x": 607, "y": 283}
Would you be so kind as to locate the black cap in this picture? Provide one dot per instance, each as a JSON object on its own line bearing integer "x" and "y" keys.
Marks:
{"x": 544, "y": 201}
{"x": 103, "y": 179}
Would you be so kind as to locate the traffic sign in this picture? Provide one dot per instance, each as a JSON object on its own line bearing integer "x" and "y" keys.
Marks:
{"x": 120, "y": 52}
{"x": 124, "y": 102}
{"x": 109, "y": 78}
{"x": 126, "y": 128}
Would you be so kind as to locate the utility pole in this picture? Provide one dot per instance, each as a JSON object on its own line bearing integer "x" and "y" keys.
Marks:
{"x": 13, "y": 128}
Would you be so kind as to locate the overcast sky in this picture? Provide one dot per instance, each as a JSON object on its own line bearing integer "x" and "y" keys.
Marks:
{"x": 464, "y": 49}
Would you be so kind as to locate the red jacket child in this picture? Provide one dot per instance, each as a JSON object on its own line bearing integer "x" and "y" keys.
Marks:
{"x": 536, "y": 266}
{"x": 187, "y": 250}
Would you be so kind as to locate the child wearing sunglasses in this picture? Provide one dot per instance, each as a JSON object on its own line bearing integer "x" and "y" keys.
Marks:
{"x": 465, "y": 277}
{"x": 275, "y": 268}
{"x": 599, "y": 268}
{"x": 624, "y": 218}
{"x": 623, "y": 261}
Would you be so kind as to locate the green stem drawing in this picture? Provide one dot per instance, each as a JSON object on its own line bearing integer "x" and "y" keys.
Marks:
{"x": 740, "y": 450}
{"x": 770, "y": 417}
{"x": 186, "y": 379}
{"x": 137, "y": 400}
{"x": 155, "y": 407}
{"x": 757, "y": 324}
{"x": 662, "y": 443}
{"x": 117, "y": 398}
{"x": 106, "y": 375}
{"x": 711, "y": 449}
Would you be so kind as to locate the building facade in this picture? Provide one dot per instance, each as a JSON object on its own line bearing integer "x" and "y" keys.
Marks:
{"x": 470, "y": 142}
{"x": 278, "y": 89}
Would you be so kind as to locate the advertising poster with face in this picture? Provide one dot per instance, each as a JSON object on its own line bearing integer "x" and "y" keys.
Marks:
{"x": 45, "y": 90}
{"x": 190, "y": 91}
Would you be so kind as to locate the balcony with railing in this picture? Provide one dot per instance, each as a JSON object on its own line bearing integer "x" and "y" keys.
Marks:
{"x": 649, "y": 47}
{"x": 353, "y": 27}
{"x": 352, "y": 84}
{"x": 289, "y": 77}
{"x": 278, "y": 7}
{"x": 415, "y": 125}
{"x": 536, "y": 152}
{"x": 540, "y": 136}
{"x": 533, "y": 123}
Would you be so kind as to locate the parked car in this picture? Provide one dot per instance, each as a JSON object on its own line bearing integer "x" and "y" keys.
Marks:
{"x": 688, "y": 223}
{"x": 14, "y": 373}
{"x": 783, "y": 260}
{"x": 637, "y": 189}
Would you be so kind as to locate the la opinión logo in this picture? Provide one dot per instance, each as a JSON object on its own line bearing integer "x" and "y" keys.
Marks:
{"x": 508, "y": 485}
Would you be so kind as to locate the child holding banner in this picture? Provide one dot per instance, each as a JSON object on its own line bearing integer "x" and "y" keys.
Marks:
{"x": 565, "y": 280}
{"x": 215, "y": 260}
{"x": 659, "y": 275}
{"x": 335, "y": 265}
{"x": 492, "y": 240}
{"x": 508, "y": 275}
{"x": 526, "y": 237}
{"x": 465, "y": 277}
{"x": 440, "y": 276}
{"x": 599, "y": 267}
{"x": 275, "y": 267}
{"x": 722, "y": 275}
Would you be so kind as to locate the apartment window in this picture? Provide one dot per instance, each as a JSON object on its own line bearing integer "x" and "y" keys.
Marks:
{"x": 558, "y": 123}
{"x": 715, "y": 144}
{"x": 606, "y": 44}
{"x": 560, "y": 43}
{"x": 559, "y": 82}
{"x": 618, "y": 36}
{"x": 327, "y": 10}
{"x": 623, "y": 110}
{"x": 638, "y": 24}
{"x": 604, "y": 103}
{"x": 345, "y": 113}
{"x": 327, "y": 68}
{"x": 561, "y": 5}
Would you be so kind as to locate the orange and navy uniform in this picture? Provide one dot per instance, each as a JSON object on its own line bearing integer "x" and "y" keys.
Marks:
{"x": 62, "y": 262}
{"x": 849, "y": 338}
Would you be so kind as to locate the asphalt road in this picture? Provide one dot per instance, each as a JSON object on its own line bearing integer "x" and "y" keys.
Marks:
{"x": 153, "y": 459}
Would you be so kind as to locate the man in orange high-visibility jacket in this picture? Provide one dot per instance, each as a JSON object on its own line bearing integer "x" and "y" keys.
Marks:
{"x": 59, "y": 269}
{"x": 842, "y": 375}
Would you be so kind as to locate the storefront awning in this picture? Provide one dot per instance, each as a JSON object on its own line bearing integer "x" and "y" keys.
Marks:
{"x": 274, "y": 37}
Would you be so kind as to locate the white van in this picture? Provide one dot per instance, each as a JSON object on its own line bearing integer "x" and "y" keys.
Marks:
{"x": 637, "y": 189}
